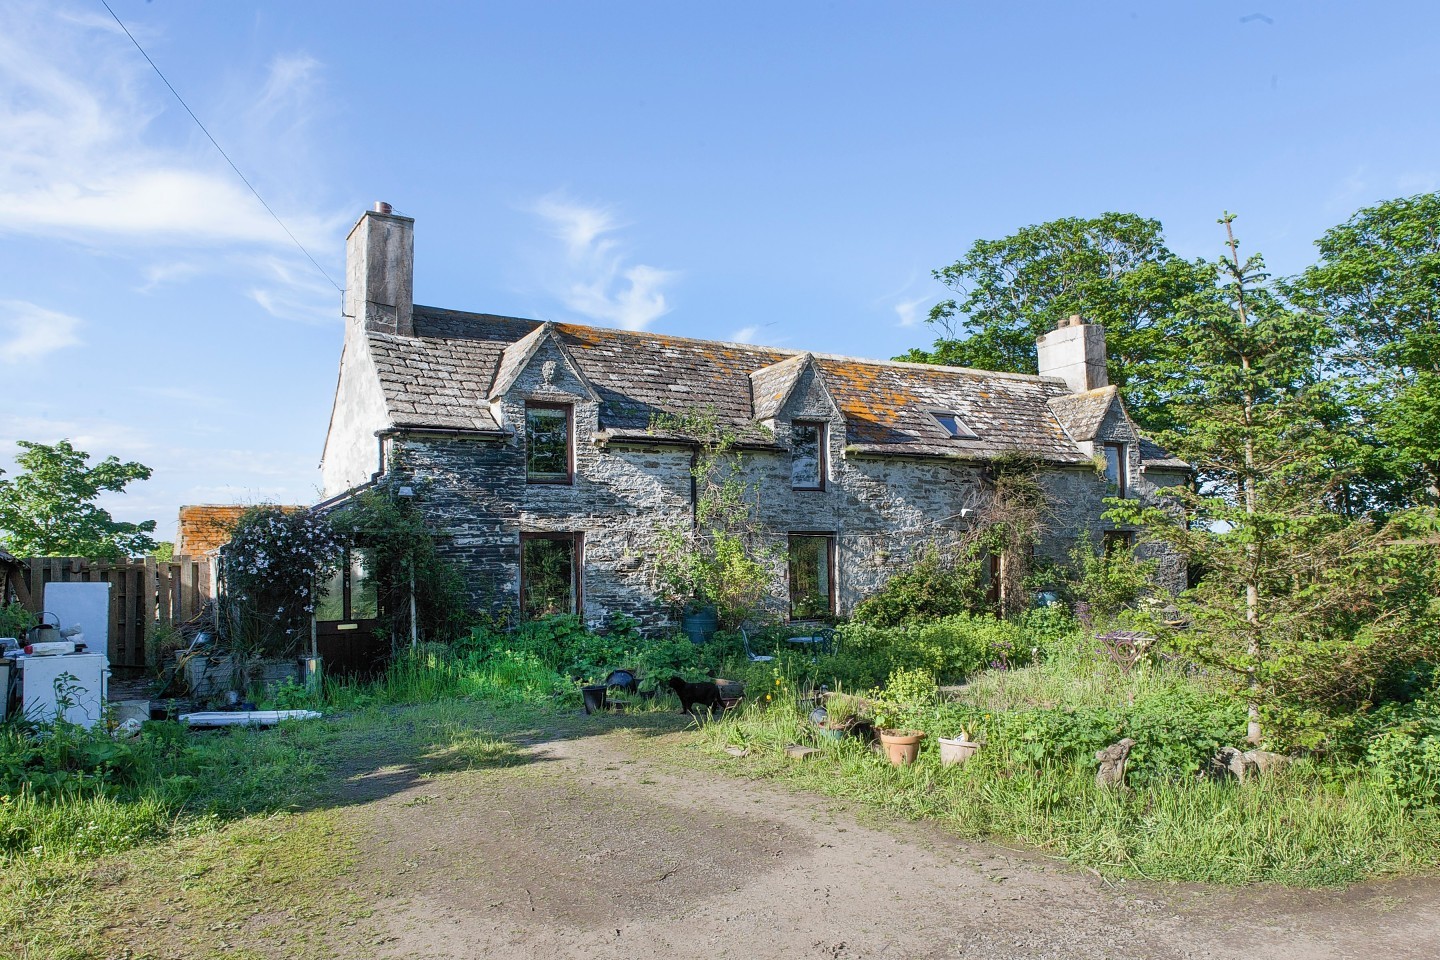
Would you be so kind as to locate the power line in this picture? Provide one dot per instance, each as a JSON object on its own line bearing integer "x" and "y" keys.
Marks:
{"x": 243, "y": 180}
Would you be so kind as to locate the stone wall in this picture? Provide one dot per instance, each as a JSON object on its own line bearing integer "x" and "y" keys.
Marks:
{"x": 878, "y": 509}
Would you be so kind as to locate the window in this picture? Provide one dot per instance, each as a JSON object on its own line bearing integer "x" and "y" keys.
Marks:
{"x": 1117, "y": 541}
{"x": 351, "y": 592}
{"x": 807, "y": 456}
{"x": 549, "y": 574}
{"x": 1117, "y": 468}
{"x": 953, "y": 425}
{"x": 812, "y": 575}
{"x": 547, "y": 443}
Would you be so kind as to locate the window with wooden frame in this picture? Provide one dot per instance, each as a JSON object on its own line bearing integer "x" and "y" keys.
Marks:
{"x": 550, "y": 580}
{"x": 807, "y": 455}
{"x": 1117, "y": 469}
{"x": 1117, "y": 541}
{"x": 549, "y": 443}
{"x": 812, "y": 576}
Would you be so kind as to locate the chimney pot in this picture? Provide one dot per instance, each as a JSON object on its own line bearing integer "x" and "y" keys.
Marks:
{"x": 382, "y": 207}
{"x": 1075, "y": 320}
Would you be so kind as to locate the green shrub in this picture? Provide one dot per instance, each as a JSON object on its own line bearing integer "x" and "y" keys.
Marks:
{"x": 1406, "y": 759}
{"x": 1109, "y": 582}
{"x": 932, "y": 586}
{"x": 15, "y": 621}
{"x": 1178, "y": 733}
{"x": 950, "y": 649}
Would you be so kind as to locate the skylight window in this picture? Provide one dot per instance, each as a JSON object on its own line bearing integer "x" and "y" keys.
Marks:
{"x": 953, "y": 425}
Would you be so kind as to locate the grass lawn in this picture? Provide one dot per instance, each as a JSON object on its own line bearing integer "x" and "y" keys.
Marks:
{"x": 261, "y": 839}
{"x": 201, "y": 844}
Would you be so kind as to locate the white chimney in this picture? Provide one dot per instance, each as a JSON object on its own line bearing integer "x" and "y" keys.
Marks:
{"x": 1075, "y": 352}
{"x": 380, "y": 272}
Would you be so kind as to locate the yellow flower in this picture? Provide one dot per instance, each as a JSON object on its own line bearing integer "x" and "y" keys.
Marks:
{"x": 767, "y": 696}
{"x": 777, "y": 681}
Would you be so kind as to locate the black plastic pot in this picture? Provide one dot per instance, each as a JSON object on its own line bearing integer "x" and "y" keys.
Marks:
{"x": 594, "y": 698}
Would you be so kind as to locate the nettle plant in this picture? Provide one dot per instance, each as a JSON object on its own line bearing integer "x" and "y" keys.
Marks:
{"x": 270, "y": 570}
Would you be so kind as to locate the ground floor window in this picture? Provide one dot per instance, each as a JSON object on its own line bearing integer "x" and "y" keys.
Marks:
{"x": 1118, "y": 541}
{"x": 549, "y": 574}
{"x": 812, "y": 575}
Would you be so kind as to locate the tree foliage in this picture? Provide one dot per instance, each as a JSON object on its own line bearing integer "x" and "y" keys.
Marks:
{"x": 49, "y": 509}
{"x": 1306, "y": 609}
{"x": 1113, "y": 269}
{"x": 1377, "y": 285}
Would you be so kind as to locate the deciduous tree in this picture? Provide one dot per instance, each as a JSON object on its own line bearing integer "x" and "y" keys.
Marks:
{"x": 1378, "y": 284}
{"x": 1113, "y": 269}
{"x": 49, "y": 508}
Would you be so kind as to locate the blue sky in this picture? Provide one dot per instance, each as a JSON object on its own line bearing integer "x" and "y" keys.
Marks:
{"x": 784, "y": 173}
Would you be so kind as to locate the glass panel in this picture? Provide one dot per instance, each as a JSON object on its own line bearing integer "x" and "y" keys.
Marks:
{"x": 1114, "y": 469}
{"x": 548, "y": 577}
{"x": 810, "y": 577}
{"x": 364, "y": 598}
{"x": 330, "y": 604}
{"x": 547, "y": 443}
{"x": 954, "y": 425}
{"x": 805, "y": 456}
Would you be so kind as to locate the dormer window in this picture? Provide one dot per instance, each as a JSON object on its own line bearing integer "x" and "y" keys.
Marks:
{"x": 549, "y": 452}
{"x": 951, "y": 423}
{"x": 1117, "y": 469}
{"x": 807, "y": 455}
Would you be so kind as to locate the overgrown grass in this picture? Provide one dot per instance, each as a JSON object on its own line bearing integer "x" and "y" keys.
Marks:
{"x": 1310, "y": 825}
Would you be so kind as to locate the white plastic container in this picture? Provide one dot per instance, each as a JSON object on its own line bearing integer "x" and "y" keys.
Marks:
{"x": 50, "y": 648}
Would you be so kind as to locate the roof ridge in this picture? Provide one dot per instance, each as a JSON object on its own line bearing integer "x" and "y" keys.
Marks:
{"x": 790, "y": 351}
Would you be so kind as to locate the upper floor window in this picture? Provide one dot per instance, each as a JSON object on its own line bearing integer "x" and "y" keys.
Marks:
{"x": 807, "y": 455}
{"x": 953, "y": 425}
{"x": 549, "y": 450}
{"x": 1117, "y": 469}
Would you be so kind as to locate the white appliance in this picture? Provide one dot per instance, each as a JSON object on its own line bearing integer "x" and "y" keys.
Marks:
{"x": 77, "y": 677}
{"x": 85, "y": 605}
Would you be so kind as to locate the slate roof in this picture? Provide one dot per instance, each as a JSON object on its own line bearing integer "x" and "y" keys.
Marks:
{"x": 441, "y": 378}
{"x": 1082, "y": 414}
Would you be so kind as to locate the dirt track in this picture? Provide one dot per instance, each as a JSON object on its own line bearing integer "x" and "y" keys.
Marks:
{"x": 591, "y": 850}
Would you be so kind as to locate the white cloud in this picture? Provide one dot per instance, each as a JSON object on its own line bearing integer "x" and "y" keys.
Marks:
{"x": 595, "y": 278}
{"x": 745, "y": 334}
{"x": 910, "y": 312}
{"x": 1409, "y": 184}
{"x": 28, "y": 332}
{"x": 293, "y": 292}
{"x": 83, "y": 160}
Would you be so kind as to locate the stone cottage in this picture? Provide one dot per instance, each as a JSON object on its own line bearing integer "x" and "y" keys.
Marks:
{"x": 534, "y": 451}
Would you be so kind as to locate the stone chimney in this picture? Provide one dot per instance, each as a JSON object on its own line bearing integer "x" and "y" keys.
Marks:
{"x": 380, "y": 272}
{"x": 1075, "y": 352}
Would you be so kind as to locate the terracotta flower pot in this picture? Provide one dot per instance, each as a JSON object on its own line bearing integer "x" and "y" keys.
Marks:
{"x": 901, "y": 746}
{"x": 955, "y": 752}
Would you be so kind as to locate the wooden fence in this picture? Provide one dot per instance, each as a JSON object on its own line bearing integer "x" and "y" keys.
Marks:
{"x": 144, "y": 593}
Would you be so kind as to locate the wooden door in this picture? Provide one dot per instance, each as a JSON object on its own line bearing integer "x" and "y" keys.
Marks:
{"x": 346, "y": 619}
